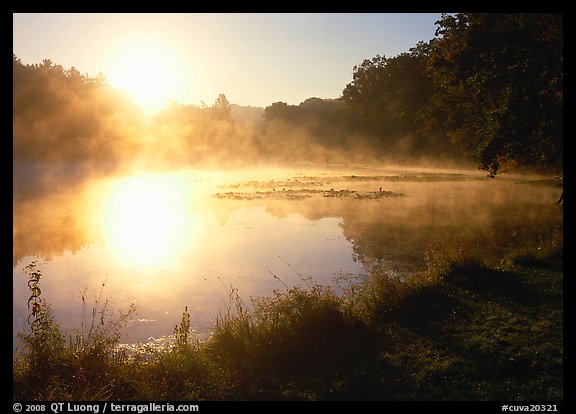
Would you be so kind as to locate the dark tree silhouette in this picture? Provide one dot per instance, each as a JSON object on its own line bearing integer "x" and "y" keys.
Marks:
{"x": 498, "y": 87}
{"x": 385, "y": 98}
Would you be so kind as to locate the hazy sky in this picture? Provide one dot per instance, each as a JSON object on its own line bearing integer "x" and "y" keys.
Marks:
{"x": 254, "y": 59}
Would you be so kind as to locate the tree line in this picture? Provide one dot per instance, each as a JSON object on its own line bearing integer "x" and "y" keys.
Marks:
{"x": 487, "y": 88}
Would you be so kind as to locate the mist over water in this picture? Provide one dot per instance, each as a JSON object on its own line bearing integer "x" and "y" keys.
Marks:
{"x": 177, "y": 207}
{"x": 400, "y": 240}
{"x": 167, "y": 240}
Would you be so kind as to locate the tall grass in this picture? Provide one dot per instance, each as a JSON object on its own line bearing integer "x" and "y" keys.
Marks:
{"x": 287, "y": 332}
{"x": 56, "y": 365}
{"x": 459, "y": 329}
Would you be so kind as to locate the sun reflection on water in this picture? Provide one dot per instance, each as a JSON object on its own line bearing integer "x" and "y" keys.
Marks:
{"x": 146, "y": 220}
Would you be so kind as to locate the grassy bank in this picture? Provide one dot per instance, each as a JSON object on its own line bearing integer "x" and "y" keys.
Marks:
{"x": 460, "y": 330}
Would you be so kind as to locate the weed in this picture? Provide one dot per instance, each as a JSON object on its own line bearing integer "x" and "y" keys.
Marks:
{"x": 461, "y": 329}
{"x": 52, "y": 366}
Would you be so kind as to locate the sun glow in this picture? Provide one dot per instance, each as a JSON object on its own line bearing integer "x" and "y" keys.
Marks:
{"x": 150, "y": 71}
{"x": 146, "y": 220}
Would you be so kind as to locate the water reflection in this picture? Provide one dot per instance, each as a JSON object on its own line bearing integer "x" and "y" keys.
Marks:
{"x": 146, "y": 220}
{"x": 166, "y": 241}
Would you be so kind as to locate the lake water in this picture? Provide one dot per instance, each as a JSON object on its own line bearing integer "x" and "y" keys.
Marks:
{"x": 166, "y": 241}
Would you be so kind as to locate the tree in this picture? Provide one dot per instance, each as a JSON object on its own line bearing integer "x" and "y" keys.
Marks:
{"x": 60, "y": 115}
{"x": 385, "y": 98}
{"x": 364, "y": 94}
{"x": 221, "y": 108}
{"x": 498, "y": 87}
{"x": 386, "y": 93}
{"x": 281, "y": 111}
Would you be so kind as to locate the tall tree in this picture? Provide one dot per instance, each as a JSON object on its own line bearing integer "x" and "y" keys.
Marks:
{"x": 385, "y": 98}
{"x": 386, "y": 93}
{"x": 221, "y": 107}
{"x": 498, "y": 87}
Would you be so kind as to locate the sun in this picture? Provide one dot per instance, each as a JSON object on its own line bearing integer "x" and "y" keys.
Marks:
{"x": 150, "y": 71}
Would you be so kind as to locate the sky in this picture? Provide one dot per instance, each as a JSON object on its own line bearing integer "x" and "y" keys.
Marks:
{"x": 255, "y": 59}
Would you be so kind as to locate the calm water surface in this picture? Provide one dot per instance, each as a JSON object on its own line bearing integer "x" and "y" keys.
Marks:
{"x": 164, "y": 241}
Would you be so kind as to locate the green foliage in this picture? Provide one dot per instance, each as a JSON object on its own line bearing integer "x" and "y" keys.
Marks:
{"x": 95, "y": 345}
{"x": 385, "y": 99}
{"x": 376, "y": 297}
{"x": 295, "y": 335}
{"x": 498, "y": 87}
{"x": 386, "y": 93}
{"x": 296, "y": 330}
{"x": 45, "y": 342}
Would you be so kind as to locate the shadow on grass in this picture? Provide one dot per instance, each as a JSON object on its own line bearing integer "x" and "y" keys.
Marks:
{"x": 493, "y": 284}
{"x": 460, "y": 330}
{"x": 482, "y": 334}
